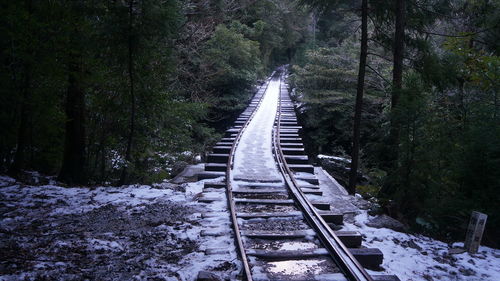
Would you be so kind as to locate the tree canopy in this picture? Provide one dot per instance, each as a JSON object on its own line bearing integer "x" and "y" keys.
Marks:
{"x": 118, "y": 92}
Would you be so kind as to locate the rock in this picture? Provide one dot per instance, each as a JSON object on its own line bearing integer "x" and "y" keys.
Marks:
{"x": 414, "y": 245}
{"x": 207, "y": 276}
{"x": 454, "y": 251}
{"x": 189, "y": 174}
{"x": 224, "y": 266}
{"x": 384, "y": 221}
{"x": 375, "y": 210}
{"x": 428, "y": 277}
{"x": 467, "y": 271}
{"x": 178, "y": 167}
{"x": 339, "y": 168}
{"x": 32, "y": 178}
{"x": 360, "y": 202}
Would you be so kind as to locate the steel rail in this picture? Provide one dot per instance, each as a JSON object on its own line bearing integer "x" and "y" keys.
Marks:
{"x": 340, "y": 253}
{"x": 247, "y": 274}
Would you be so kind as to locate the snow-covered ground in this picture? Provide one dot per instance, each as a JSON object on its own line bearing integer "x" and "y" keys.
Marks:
{"x": 140, "y": 232}
{"x": 417, "y": 257}
{"x": 135, "y": 232}
{"x": 412, "y": 257}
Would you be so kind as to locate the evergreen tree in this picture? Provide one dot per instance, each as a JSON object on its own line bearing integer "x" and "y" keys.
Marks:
{"x": 359, "y": 98}
{"x": 73, "y": 169}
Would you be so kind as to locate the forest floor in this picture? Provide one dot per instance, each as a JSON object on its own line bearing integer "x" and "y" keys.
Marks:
{"x": 140, "y": 232}
{"x": 135, "y": 232}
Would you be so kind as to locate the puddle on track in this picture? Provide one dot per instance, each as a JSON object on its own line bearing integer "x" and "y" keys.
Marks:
{"x": 282, "y": 245}
{"x": 304, "y": 269}
{"x": 261, "y": 196}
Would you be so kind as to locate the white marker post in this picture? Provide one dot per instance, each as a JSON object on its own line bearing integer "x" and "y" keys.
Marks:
{"x": 475, "y": 232}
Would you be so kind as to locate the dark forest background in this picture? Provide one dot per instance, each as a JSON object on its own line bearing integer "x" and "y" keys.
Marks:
{"x": 118, "y": 92}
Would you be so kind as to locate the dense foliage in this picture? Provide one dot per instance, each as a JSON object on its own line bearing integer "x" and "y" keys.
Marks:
{"x": 448, "y": 131}
{"x": 119, "y": 91}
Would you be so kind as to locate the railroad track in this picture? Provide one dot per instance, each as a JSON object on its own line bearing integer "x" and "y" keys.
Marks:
{"x": 282, "y": 228}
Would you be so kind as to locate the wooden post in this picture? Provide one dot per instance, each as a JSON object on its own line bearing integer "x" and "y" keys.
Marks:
{"x": 475, "y": 232}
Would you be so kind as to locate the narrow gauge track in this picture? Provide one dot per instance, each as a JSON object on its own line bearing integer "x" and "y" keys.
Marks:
{"x": 281, "y": 230}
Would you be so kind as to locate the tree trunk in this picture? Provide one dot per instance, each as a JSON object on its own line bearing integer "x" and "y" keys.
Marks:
{"x": 103, "y": 164}
{"x": 397, "y": 79}
{"x": 495, "y": 104}
{"x": 389, "y": 186}
{"x": 73, "y": 166}
{"x": 128, "y": 151}
{"x": 359, "y": 98}
{"x": 19, "y": 157}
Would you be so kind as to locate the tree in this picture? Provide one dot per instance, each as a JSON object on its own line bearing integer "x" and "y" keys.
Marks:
{"x": 359, "y": 98}
{"x": 25, "y": 88}
{"x": 130, "y": 70}
{"x": 359, "y": 89}
{"x": 73, "y": 165}
{"x": 73, "y": 169}
{"x": 117, "y": 91}
{"x": 397, "y": 77}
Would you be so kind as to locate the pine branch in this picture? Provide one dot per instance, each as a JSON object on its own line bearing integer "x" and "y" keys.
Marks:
{"x": 467, "y": 34}
{"x": 378, "y": 74}
{"x": 433, "y": 12}
{"x": 382, "y": 57}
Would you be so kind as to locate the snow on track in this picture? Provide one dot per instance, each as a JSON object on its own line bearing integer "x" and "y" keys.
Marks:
{"x": 254, "y": 159}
